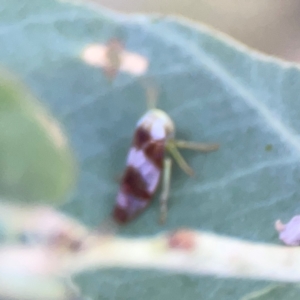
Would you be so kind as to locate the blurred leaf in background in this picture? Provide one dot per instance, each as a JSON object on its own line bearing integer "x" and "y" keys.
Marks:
{"x": 267, "y": 25}
{"x": 36, "y": 164}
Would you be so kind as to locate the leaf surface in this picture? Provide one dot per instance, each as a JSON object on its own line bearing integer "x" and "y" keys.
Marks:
{"x": 215, "y": 90}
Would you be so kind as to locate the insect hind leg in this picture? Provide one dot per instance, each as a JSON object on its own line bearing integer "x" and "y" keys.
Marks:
{"x": 165, "y": 190}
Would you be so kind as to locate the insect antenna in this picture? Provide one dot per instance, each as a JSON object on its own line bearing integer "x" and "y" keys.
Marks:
{"x": 151, "y": 91}
{"x": 152, "y": 96}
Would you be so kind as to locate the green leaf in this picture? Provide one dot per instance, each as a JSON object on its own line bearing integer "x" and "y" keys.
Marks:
{"x": 36, "y": 163}
{"x": 213, "y": 88}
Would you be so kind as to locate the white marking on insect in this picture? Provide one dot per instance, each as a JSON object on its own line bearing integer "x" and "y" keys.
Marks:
{"x": 147, "y": 169}
{"x": 136, "y": 158}
{"x": 151, "y": 175}
{"x": 158, "y": 131}
{"x": 145, "y": 119}
{"x": 158, "y": 123}
{"x": 122, "y": 200}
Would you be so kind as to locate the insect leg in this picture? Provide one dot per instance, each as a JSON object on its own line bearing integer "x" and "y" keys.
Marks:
{"x": 165, "y": 190}
{"x": 171, "y": 147}
{"x": 202, "y": 147}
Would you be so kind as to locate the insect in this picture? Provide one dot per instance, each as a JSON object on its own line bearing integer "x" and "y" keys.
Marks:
{"x": 148, "y": 163}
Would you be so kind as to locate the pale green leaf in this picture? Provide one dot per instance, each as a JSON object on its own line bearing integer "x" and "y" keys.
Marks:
{"x": 36, "y": 164}
{"x": 214, "y": 89}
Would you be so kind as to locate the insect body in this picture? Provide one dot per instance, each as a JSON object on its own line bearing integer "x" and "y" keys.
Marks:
{"x": 146, "y": 162}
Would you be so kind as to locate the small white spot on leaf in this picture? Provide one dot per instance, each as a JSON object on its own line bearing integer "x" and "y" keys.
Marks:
{"x": 113, "y": 58}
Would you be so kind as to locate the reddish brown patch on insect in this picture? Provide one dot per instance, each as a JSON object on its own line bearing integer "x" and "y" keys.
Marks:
{"x": 141, "y": 137}
{"x": 120, "y": 215}
{"x": 182, "y": 240}
{"x": 134, "y": 184}
{"x": 155, "y": 151}
{"x": 134, "y": 206}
